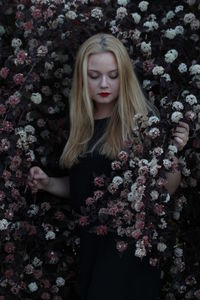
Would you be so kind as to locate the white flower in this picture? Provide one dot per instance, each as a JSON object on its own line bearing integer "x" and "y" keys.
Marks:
{"x": 37, "y": 262}
{"x": 161, "y": 247}
{"x": 153, "y": 120}
{"x": 188, "y": 18}
{"x": 194, "y": 69}
{"x": 33, "y": 287}
{"x": 16, "y": 43}
{"x": 146, "y": 47}
{"x": 71, "y": 15}
{"x": 176, "y": 116}
{"x": 29, "y": 129}
{"x": 121, "y": 12}
{"x": 195, "y": 24}
{"x": 177, "y": 105}
{"x": 130, "y": 197}
{"x": 186, "y": 171}
{"x": 182, "y": 68}
{"x": 179, "y": 8}
{"x": 122, "y": 2}
{"x": 135, "y": 34}
{"x": 3, "y": 224}
{"x": 176, "y": 215}
{"x": 61, "y": 19}
{"x": 179, "y": 29}
{"x": 146, "y": 84}
{"x": 171, "y": 55}
{"x": 2, "y": 30}
{"x": 154, "y": 132}
{"x": 158, "y": 70}
{"x": 166, "y": 76}
{"x": 96, "y": 13}
{"x": 191, "y": 2}
{"x": 151, "y": 25}
{"x": 170, "y": 33}
{"x": 178, "y": 252}
{"x": 36, "y": 98}
{"x": 170, "y": 15}
{"x": 172, "y": 149}
{"x": 50, "y": 235}
{"x": 191, "y": 99}
{"x": 143, "y": 5}
{"x": 117, "y": 180}
{"x": 167, "y": 164}
{"x": 60, "y": 281}
{"x": 33, "y": 208}
{"x": 136, "y": 17}
{"x": 154, "y": 195}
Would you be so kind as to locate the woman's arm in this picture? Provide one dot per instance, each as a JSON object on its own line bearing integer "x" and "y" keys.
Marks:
{"x": 181, "y": 135}
{"x": 39, "y": 180}
{"x": 173, "y": 179}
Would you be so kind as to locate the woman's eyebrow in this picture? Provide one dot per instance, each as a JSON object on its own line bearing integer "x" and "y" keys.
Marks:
{"x": 93, "y": 70}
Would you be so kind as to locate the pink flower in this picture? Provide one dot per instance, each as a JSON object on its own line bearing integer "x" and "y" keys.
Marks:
{"x": 7, "y": 126}
{"x": 153, "y": 262}
{"x": 37, "y": 274}
{"x": 83, "y": 221}
{"x": 98, "y": 195}
{"x": 4, "y": 72}
{"x": 9, "y": 259}
{"x": 21, "y": 57}
{"x": 9, "y": 273}
{"x": 19, "y": 15}
{"x": 36, "y": 13}
{"x": 123, "y": 156}
{"x": 13, "y": 100}
{"x": 2, "y": 109}
{"x": 6, "y": 175}
{"x": 9, "y": 247}
{"x": 102, "y": 230}
{"x": 121, "y": 246}
{"x": 18, "y": 78}
{"x": 159, "y": 209}
{"x": 59, "y": 215}
{"x": 148, "y": 66}
{"x": 45, "y": 296}
{"x": 99, "y": 181}
{"x": 89, "y": 201}
{"x": 28, "y": 26}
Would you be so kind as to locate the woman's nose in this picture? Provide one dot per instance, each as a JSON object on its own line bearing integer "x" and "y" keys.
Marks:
{"x": 104, "y": 81}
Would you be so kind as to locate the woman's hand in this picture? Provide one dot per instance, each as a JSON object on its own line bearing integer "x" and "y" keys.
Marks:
{"x": 181, "y": 135}
{"x": 38, "y": 179}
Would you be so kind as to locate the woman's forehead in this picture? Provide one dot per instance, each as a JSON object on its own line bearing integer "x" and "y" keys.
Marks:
{"x": 102, "y": 60}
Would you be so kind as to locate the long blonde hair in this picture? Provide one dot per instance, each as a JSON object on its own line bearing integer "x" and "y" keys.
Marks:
{"x": 130, "y": 102}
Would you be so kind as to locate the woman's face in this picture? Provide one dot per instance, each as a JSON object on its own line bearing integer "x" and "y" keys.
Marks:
{"x": 103, "y": 81}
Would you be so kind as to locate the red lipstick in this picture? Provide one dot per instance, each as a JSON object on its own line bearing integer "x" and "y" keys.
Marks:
{"x": 104, "y": 94}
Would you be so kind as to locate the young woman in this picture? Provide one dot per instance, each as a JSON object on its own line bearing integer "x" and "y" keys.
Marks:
{"x": 105, "y": 96}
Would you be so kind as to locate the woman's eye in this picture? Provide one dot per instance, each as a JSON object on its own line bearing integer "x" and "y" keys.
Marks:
{"x": 114, "y": 76}
{"x": 93, "y": 76}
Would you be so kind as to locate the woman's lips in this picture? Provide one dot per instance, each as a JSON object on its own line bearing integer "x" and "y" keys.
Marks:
{"x": 104, "y": 94}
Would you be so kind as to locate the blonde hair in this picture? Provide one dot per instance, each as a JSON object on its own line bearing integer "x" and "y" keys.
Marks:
{"x": 130, "y": 102}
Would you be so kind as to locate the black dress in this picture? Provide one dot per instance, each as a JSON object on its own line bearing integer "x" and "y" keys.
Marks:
{"x": 105, "y": 275}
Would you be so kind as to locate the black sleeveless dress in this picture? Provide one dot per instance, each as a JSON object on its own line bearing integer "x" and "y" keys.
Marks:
{"x": 105, "y": 275}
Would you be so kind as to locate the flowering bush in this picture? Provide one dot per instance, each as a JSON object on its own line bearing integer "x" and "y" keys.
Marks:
{"x": 134, "y": 204}
{"x": 39, "y": 40}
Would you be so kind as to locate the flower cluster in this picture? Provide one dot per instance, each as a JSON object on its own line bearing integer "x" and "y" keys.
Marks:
{"x": 134, "y": 205}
